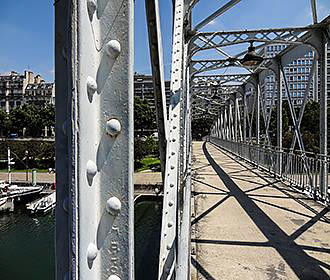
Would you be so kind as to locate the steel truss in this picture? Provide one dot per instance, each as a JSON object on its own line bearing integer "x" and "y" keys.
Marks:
{"x": 94, "y": 126}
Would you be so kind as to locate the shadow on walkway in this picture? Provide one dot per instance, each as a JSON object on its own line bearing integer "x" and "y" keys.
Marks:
{"x": 303, "y": 265}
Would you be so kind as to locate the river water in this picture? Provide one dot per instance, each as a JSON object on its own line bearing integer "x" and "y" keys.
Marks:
{"x": 27, "y": 244}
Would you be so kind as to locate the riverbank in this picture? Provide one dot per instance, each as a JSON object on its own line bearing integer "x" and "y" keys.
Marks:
{"x": 142, "y": 178}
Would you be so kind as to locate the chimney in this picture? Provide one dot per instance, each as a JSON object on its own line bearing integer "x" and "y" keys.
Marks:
{"x": 29, "y": 77}
{"x": 37, "y": 79}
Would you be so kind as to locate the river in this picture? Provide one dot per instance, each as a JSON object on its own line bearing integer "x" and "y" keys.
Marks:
{"x": 27, "y": 249}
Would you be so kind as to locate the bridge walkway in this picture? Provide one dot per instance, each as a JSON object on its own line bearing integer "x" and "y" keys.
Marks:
{"x": 247, "y": 225}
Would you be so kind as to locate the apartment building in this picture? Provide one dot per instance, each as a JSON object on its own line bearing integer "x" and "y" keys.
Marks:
{"x": 18, "y": 89}
{"x": 297, "y": 73}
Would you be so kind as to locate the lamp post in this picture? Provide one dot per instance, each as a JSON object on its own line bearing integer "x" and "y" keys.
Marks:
{"x": 26, "y": 165}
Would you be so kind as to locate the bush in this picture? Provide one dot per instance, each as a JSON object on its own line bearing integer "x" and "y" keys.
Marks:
{"x": 41, "y": 153}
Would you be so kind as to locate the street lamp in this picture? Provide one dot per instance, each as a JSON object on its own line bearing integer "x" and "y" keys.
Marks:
{"x": 26, "y": 165}
{"x": 251, "y": 58}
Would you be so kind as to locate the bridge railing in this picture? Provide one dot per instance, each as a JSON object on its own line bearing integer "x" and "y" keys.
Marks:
{"x": 300, "y": 170}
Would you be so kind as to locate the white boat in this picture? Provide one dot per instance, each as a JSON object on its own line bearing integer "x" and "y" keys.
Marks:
{"x": 3, "y": 203}
{"x": 9, "y": 190}
{"x": 42, "y": 205}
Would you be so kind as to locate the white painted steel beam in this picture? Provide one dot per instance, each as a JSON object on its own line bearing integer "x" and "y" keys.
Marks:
{"x": 157, "y": 66}
{"x": 168, "y": 245}
{"x": 217, "y": 13}
{"x": 97, "y": 130}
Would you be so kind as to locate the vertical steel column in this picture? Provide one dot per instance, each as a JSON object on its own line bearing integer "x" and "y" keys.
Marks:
{"x": 101, "y": 173}
{"x": 258, "y": 112}
{"x": 226, "y": 130}
{"x": 231, "y": 120}
{"x": 316, "y": 81}
{"x": 184, "y": 224}
{"x": 222, "y": 130}
{"x": 244, "y": 114}
{"x": 64, "y": 211}
{"x": 323, "y": 115}
{"x": 156, "y": 58}
{"x": 235, "y": 116}
{"x": 168, "y": 242}
{"x": 279, "y": 120}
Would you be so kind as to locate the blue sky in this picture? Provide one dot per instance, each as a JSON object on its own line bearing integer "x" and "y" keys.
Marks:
{"x": 27, "y": 28}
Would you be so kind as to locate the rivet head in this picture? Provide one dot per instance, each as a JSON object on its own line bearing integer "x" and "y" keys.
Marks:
{"x": 170, "y": 224}
{"x": 168, "y": 247}
{"x": 113, "y": 49}
{"x": 170, "y": 203}
{"x": 171, "y": 185}
{"x": 91, "y": 7}
{"x": 66, "y": 204}
{"x": 91, "y": 169}
{"x": 91, "y": 85}
{"x": 91, "y": 252}
{"x": 114, "y": 277}
{"x": 113, "y": 206}
{"x": 113, "y": 127}
{"x": 172, "y": 166}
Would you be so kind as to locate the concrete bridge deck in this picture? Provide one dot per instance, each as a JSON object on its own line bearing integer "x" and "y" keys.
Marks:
{"x": 248, "y": 226}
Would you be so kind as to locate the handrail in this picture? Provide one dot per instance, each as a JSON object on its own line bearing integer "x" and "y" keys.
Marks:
{"x": 303, "y": 172}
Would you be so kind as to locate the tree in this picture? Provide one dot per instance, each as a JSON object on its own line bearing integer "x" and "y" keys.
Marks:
{"x": 5, "y": 123}
{"x": 200, "y": 127}
{"x": 144, "y": 116}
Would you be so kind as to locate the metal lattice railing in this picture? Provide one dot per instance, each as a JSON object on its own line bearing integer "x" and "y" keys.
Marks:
{"x": 299, "y": 170}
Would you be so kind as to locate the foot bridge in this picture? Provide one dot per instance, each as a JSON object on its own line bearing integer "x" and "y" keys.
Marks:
{"x": 248, "y": 200}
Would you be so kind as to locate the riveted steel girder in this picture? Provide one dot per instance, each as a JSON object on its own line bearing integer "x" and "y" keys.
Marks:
{"x": 98, "y": 133}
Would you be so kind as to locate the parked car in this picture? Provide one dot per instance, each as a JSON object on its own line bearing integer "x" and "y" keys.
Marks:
{"x": 13, "y": 135}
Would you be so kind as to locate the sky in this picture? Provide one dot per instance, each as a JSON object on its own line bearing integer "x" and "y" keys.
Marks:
{"x": 27, "y": 28}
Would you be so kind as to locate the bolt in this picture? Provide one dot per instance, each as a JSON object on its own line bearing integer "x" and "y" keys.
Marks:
{"x": 113, "y": 206}
{"x": 171, "y": 185}
{"x": 170, "y": 203}
{"x": 91, "y": 169}
{"x": 114, "y": 277}
{"x": 91, "y": 252}
{"x": 113, "y": 127}
{"x": 170, "y": 224}
{"x": 113, "y": 49}
{"x": 91, "y": 86}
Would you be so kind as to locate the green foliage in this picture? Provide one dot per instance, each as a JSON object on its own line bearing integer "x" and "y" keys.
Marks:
{"x": 149, "y": 163}
{"x": 27, "y": 116}
{"x": 5, "y": 123}
{"x": 41, "y": 154}
{"x": 152, "y": 146}
{"x": 144, "y": 147}
{"x": 144, "y": 116}
{"x": 200, "y": 128}
{"x": 310, "y": 128}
